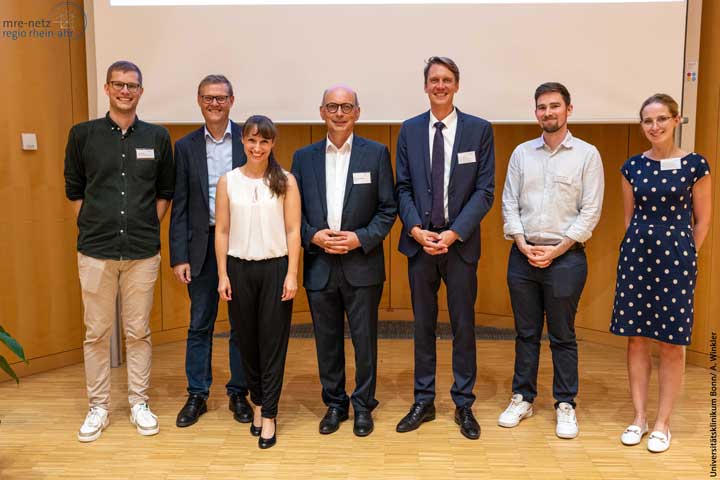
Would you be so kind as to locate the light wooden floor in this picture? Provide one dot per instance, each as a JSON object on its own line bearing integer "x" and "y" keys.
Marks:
{"x": 40, "y": 419}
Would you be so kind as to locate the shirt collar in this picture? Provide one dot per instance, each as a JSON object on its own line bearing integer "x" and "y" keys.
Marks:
{"x": 346, "y": 147}
{"x": 567, "y": 142}
{"x": 115, "y": 126}
{"x": 449, "y": 121}
{"x": 228, "y": 131}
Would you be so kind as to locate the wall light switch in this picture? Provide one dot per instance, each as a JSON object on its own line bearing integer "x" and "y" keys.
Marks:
{"x": 29, "y": 141}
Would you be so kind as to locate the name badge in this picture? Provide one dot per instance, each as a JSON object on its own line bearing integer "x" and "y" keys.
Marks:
{"x": 360, "y": 178}
{"x": 670, "y": 164}
{"x": 563, "y": 179}
{"x": 466, "y": 157}
{"x": 145, "y": 153}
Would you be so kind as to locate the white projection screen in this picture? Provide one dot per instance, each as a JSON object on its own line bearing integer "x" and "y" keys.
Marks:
{"x": 281, "y": 54}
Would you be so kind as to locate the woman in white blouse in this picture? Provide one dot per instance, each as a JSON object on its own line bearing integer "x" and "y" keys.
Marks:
{"x": 257, "y": 244}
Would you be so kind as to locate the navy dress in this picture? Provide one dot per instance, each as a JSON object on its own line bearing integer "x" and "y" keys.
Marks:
{"x": 657, "y": 267}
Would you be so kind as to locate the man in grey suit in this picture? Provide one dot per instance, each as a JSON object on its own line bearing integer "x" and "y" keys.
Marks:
{"x": 348, "y": 208}
{"x": 202, "y": 157}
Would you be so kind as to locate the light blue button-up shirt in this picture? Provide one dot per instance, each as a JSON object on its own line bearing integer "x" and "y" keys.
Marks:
{"x": 219, "y": 162}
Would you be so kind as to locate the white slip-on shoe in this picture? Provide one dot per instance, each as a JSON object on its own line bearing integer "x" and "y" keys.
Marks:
{"x": 659, "y": 442}
{"x": 145, "y": 421}
{"x": 95, "y": 422}
{"x": 633, "y": 434}
{"x": 516, "y": 411}
{"x": 567, "y": 426}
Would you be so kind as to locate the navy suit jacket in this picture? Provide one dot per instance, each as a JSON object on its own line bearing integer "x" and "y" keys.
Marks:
{"x": 470, "y": 190}
{"x": 190, "y": 215}
{"x": 369, "y": 210}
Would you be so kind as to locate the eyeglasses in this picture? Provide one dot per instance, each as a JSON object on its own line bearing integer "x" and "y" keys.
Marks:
{"x": 118, "y": 86}
{"x": 220, "y": 99}
{"x": 344, "y": 107}
{"x": 661, "y": 121}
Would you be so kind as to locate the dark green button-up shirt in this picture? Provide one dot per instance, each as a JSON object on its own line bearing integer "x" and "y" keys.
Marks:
{"x": 118, "y": 176}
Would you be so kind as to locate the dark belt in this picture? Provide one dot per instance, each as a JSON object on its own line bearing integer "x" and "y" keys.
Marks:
{"x": 439, "y": 229}
{"x": 575, "y": 246}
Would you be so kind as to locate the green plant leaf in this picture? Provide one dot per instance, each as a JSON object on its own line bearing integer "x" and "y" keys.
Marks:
{"x": 13, "y": 345}
{"x": 4, "y": 365}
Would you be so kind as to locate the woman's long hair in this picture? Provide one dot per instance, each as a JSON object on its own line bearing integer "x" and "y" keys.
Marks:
{"x": 273, "y": 177}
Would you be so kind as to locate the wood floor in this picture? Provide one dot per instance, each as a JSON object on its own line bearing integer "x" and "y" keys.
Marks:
{"x": 40, "y": 419}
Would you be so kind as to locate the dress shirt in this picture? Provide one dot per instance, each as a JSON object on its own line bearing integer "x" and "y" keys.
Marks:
{"x": 337, "y": 162}
{"x": 549, "y": 195}
{"x": 449, "y": 139}
{"x": 119, "y": 176}
{"x": 219, "y": 162}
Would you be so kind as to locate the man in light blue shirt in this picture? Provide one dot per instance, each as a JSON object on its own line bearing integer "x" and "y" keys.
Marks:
{"x": 202, "y": 157}
{"x": 551, "y": 203}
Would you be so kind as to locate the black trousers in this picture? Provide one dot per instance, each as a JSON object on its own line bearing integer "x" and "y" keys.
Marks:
{"x": 552, "y": 293}
{"x": 328, "y": 308}
{"x": 425, "y": 272}
{"x": 262, "y": 323}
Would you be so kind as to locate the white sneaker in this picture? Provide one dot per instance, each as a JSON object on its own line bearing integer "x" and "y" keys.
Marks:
{"x": 658, "y": 442}
{"x": 145, "y": 421}
{"x": 567, "y": 426}
{"x": 95, "y": 422}
{"x": 516, "y": 411}
{"x": 633, "y": 434}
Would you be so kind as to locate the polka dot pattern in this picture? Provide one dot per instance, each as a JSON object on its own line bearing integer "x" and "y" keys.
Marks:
{"x": 662, "y": 219}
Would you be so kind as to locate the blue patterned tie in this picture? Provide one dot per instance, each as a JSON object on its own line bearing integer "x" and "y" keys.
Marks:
{"x": 437, "y": 214}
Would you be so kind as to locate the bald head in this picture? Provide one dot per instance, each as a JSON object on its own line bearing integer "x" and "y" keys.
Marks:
{"x": 340, "y": 88}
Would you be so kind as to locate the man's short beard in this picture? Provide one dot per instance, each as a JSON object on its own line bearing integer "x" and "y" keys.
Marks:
{"x": 551, "y": 128}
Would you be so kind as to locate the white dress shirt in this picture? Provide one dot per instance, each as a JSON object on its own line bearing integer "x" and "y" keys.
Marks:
{"x": 219, "y": 162}
{"x": 449, "y": 141}
{"x": 549, "y": 195}
{"x": 337, "y": 162}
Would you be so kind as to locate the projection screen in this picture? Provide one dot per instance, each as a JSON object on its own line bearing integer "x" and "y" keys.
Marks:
{"x": 281, "y": 54}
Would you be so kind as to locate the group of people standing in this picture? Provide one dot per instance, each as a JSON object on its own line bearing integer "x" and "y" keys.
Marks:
{"x": 239, "y": 221}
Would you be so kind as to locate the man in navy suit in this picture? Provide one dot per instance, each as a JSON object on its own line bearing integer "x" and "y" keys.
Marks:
{"x": 348, "y": 208}
{"x": 445, "y": 183}
{"x": 202, "y": 157}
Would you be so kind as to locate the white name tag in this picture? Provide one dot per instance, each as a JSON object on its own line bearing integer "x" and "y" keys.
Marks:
{"x": 145, "y": 153}
{"x": 360, "y": 178}
{"x": 466, "y": 157}
{"x": 563, "y": 179}
{"x": 670, "y": 164}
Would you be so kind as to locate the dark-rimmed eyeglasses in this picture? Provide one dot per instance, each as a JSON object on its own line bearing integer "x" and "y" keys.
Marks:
{"x": 118, "y": 86}
{"x": 220, "y": 99}
{"x": 344, "y": 107}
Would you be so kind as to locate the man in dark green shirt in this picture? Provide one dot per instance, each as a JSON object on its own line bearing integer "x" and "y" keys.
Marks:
{"x": 119, "y": 176}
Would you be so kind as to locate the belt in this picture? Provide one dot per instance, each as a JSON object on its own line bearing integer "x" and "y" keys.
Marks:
{"x": 575, "y": 246}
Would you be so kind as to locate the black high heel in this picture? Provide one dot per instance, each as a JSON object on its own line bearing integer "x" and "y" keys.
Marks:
{"x": 264, "y": 443}
{"x": 255, "y": 431}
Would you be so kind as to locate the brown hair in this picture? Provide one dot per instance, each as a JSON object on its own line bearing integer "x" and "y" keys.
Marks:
{"x": 215, "y": 79}
{"x": 663, "y": 99}
{"x": 446, "y": 62}
{"x": 274, "y": 176}
{"x": 123, "y": 66}
{"x": 553, "y": 87}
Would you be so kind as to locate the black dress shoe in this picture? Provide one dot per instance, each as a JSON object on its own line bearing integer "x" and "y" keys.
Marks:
{"x": 469, "y": 427}
{"x": 190, "y": 413}
{"x": 363, "y": 424}
{"x": 331, "y": 421}
{"x": 264, "y": 443}
{"x": 241, "y": 408}
{"x": 419, "y": 413}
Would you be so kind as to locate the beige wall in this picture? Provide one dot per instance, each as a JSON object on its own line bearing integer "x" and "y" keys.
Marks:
{"x": 39, "y": 292}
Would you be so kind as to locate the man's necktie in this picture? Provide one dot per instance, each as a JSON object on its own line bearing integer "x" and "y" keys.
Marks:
{"x": 437, "y": 214}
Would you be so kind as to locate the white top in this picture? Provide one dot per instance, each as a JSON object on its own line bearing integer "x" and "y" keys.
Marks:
{"x": 448, "y": 133}
{"x": 552, "y": 194}
{"x": 257, "y": 220}
{"x": 337, "y": 162}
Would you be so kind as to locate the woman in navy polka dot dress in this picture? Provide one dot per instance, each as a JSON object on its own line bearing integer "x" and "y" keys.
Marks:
{"x": 663, "y": 190}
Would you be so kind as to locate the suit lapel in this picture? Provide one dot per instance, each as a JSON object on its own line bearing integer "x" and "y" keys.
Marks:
{"x": 356, "y": 165}
{"x": 238, "y": 153}
{"x": 318, "y": 161}
{"x": 456, "y": 143}
{"x": 425, "y": 139}
{"x": 201, "y": 159}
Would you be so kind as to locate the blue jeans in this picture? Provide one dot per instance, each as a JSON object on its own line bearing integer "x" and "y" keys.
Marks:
{"x": 204, "y": 299}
